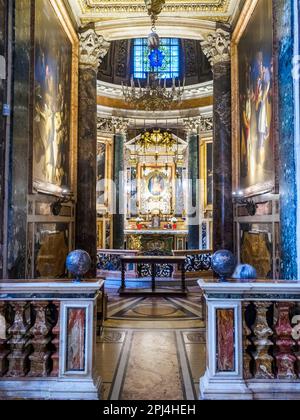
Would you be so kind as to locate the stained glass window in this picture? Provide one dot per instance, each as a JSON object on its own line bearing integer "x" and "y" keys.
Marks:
{"x": 170, "y": 66}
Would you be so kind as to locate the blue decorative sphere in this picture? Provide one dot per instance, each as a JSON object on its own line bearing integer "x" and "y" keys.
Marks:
{"x": 223, "y": 263}
{"x": 245, "y": 272}
{"x": 78, "y": 263}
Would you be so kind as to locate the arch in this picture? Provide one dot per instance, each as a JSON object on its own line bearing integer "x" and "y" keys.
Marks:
{"x": 176, "y": 27}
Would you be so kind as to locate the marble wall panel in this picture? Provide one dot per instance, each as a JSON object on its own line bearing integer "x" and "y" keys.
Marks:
{"x": 76, "y": 320}
{"x": 225, "y": 340}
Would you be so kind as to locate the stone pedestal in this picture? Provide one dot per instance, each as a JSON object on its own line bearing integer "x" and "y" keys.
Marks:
{"x": 229, "y": 375}
{"x": 217, "y": 48}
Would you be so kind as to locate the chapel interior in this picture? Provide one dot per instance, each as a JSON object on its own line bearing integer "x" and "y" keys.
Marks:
{"x": 149, "y": 200}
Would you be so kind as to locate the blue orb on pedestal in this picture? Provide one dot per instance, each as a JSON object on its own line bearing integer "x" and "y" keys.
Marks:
{"x": 78, "y": 263}
{"x": 223, "y": 263}
{"x": 245, "y": 272}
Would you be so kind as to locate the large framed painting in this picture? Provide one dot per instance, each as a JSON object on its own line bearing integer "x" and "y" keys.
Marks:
{"x": 253, "y": 99}
{"x": 54, "y": 98}
{"x": 155, "y": 189}
{"x": 104, "y": 173}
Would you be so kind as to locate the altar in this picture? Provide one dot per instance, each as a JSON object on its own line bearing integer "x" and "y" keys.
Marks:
{"x": 167, "y": 240}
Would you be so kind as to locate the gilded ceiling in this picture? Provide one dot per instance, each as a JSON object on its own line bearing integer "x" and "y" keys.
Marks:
{"x": 102, "y": 10}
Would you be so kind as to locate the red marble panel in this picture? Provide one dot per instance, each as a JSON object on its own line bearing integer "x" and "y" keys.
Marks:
{"x": 76, "y": 339}
{"x": 225, "y": 340}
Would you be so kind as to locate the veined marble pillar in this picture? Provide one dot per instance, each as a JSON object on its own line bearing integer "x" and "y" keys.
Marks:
{"x": 120, "y": 127}
{"x": 192, "y": 127}
{"x": 286, "y": 27}
{"x": 92, "y": 49}
{"x": 216, "y": 47}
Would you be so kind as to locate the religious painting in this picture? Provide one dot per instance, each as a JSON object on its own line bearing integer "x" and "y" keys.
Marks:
{"x": 254, "y": 93}
{"x": 155, "y": 189}
{"x": 51, "y": 247}
{"x": 53, "y": 110}
{"x": 256, "y": 248}
{"x": 76, "y": 320}
{"x": 225, "y": 340}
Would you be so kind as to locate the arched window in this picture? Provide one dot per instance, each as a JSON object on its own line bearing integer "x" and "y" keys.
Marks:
{"x": 170, "y": 67}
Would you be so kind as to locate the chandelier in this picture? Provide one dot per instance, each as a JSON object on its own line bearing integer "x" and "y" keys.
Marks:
{"x": 154, "y": 95}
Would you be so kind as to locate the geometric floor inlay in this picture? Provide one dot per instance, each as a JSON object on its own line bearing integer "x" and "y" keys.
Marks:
{"x": 152, "y": 348}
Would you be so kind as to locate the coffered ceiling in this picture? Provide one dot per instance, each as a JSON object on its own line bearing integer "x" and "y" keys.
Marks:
{"x": 86, "y": 11}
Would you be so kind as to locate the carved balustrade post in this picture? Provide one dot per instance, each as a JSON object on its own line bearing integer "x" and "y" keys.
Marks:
{"x": 55, "y": 312}
{"x": 40, "y": 340}
{"x": 296, "y": 335}
{"x": 18, "y": 341}
{"x": 285, "y": 358}
{"x": 4, "y": 350}
{"x": 262, "y": 331}
{"x": 247, "y": 359}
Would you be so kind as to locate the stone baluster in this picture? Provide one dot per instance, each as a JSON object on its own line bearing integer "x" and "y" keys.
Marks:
{"x": 55, "y": 311}
{"x": 262, "y": 331}
{"x": 4, "y": 350}
{"x": 296, "y": 335}
{"x": 285, "y": 358}
{"x": 246, "y": 343}
{"x": 19, "y": 342}
{"x": 40, "y": 340}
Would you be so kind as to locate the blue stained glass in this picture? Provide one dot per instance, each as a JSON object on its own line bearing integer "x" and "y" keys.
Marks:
{"x": 168, "y": 66}
{"x": 156, "y": 58}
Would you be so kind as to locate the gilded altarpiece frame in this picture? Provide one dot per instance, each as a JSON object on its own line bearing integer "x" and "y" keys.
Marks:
{"x": 253, "y": 105}
{"x": 206, "y": 190}
{"x": 104, "y": 191}
{"x": 154, "y": 185}
{"x": 55, "y": 99}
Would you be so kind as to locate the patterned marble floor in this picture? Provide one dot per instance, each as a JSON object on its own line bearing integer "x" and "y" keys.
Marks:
{"x": 152, "y": 348}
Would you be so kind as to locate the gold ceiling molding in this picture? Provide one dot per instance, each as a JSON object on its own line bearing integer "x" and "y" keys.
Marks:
{"x": 106, "y": 6}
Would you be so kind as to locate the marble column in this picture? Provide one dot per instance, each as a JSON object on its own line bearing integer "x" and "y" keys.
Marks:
{"x": 192, "y": 127}
{"x": 92, "y": 49}
{"x": 120, "y": 127}
{"x": 216, "y": 47}
{"x": 287, "y": 72}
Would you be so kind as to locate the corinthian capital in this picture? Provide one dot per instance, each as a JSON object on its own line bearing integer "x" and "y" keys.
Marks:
{"x": 93, "y": 48}
{"x": 191, "y": 125}
{"x": 120, "y": 125}
{"x": 216, "y": 46}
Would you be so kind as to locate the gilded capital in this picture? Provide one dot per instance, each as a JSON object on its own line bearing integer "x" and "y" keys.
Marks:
{"x": 216, "y": 46}
{"x": 93, "y": 48}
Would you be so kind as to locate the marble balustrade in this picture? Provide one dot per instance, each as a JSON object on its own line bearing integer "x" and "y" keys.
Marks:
{"x": 198, "y": 263}
{"x": 48, "y": 339}
{"x": 253, "y": 340}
